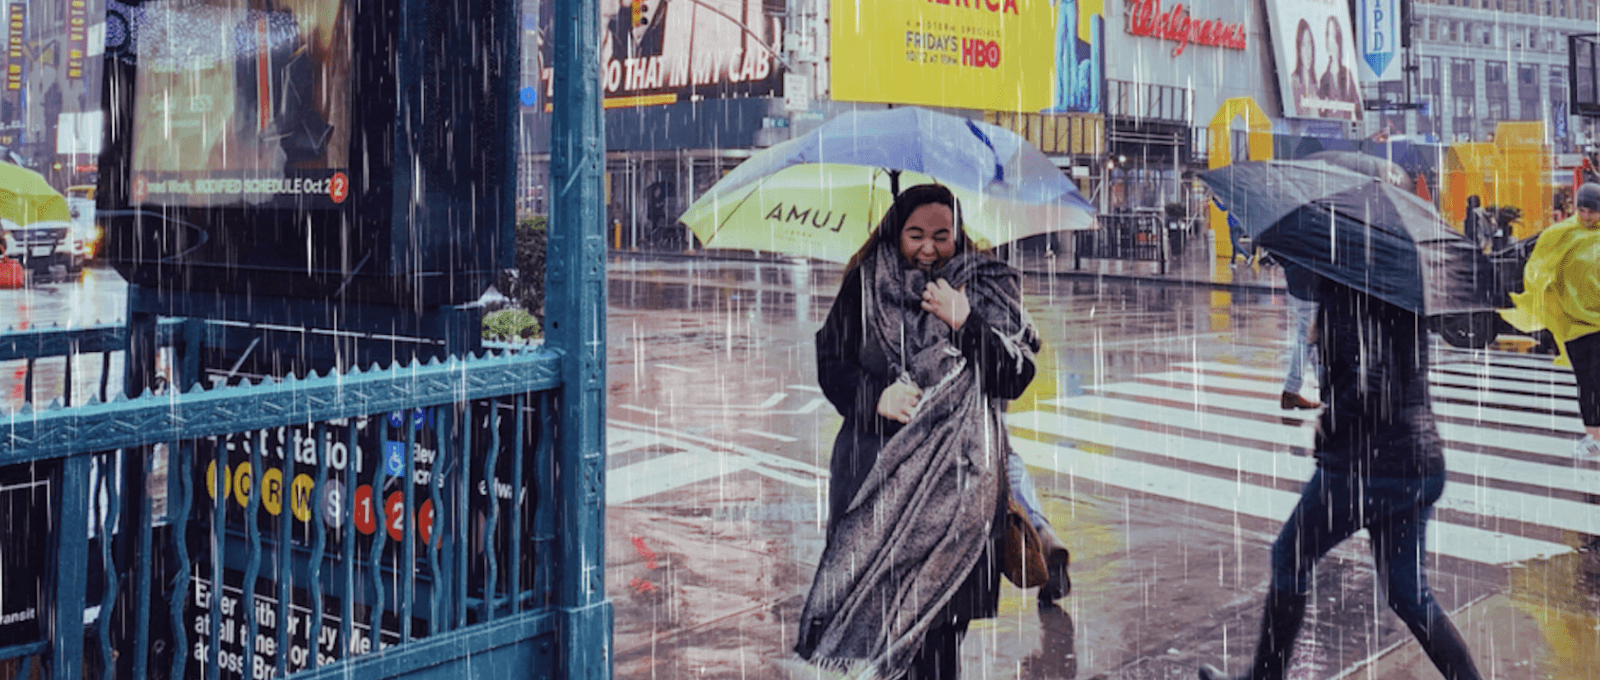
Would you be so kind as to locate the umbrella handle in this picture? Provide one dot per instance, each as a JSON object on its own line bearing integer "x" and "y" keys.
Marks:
{"x": 894, "y": 184}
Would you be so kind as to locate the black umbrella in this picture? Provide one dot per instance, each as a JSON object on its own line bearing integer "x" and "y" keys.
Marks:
{"x": 1365, "y": 164}
{"x": 1357, "y": 230}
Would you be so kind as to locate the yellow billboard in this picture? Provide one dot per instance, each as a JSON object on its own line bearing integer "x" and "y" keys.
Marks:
{"x": 973, "y": 54}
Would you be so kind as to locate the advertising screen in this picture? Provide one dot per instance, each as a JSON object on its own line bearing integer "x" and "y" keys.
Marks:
{"x": 663, "y": 51}
{"x": 1316, "y": 56}
{"x": 979, "y": 54}
{"x": 239, "y": 105}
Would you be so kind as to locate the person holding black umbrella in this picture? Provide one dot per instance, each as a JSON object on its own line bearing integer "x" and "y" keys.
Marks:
{"x": 1383, "y": 261}
{"x": 1561, "y": 284}
{"x": 1380, "y": 467}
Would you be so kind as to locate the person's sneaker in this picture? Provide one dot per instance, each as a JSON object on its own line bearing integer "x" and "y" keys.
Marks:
{"x": 1293, "y": 400}
{"x": 1588, "y": 450}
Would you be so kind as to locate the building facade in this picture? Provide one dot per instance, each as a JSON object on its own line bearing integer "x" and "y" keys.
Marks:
{"x": 1142, "y": 91}
{"x": 1479, "y": 62}
{"x": 1165, "y": 86}
{"x": 779, "y": 68}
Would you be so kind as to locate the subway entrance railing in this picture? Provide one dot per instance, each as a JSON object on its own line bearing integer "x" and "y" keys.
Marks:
{"x": 391, "y": 521}
{"x": 261, "y": 505}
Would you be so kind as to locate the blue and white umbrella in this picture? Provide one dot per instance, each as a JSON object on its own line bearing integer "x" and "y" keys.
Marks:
{"x": 1008, "y": 189}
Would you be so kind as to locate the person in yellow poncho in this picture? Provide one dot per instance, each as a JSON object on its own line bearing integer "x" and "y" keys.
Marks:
{"x": 1561, "y": 293}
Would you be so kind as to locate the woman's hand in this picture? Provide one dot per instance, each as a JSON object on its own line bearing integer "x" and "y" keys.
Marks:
{"x": 898, "y": 401}
{"x": 949, "y": 304}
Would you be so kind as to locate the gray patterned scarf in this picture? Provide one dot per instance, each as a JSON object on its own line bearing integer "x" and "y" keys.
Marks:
{"x": 923, "y": 515}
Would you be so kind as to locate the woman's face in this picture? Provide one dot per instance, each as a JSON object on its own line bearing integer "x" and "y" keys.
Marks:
{"x": 929, "y": 237}
{"x": 1308, "y": 52}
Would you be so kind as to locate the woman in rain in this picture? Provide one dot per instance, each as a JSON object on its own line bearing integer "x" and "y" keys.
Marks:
{"x": 924, "y": 343}
{"x": 1338, "y": 84}
{"x": 1380, "y": 467}
{"x": 1303, "y": 82}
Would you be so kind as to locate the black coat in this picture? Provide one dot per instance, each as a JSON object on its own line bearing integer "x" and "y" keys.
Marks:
{"x": 1378, "y": 420}
{"x": 854, "y": 373}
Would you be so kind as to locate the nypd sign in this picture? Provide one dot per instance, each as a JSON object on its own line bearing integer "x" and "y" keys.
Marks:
{"x": 1378, "y": 23}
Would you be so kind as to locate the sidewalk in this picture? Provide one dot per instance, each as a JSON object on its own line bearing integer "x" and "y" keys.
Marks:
{"x": 1195, "y": 265}
{"x": 708, "y": 582}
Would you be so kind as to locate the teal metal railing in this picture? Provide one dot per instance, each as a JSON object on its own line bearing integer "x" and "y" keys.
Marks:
{"x": 386, "y": 521}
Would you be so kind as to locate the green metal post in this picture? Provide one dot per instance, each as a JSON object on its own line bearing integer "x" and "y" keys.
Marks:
{"x": 575, "y": 303}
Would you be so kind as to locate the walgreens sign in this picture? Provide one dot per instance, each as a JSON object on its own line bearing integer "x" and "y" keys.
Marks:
{"x": 1146, "y": 18}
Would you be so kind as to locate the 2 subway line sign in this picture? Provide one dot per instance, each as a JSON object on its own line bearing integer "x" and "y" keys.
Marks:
{"x": 362, "y": 492}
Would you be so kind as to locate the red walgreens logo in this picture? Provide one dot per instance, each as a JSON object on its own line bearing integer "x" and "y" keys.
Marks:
{"x": 980, "y": 53}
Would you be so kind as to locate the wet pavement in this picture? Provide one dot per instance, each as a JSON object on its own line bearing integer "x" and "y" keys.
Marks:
{"x": 97, "y": 296}
{"x": 1160, "y": 453}
{"x": 1152, "y": 431}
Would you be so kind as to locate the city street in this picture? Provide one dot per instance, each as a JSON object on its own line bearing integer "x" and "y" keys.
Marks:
{"x": 1163, "y": 459}
{"x": 98, "y": 296}
{"x": 1153, "y": 431}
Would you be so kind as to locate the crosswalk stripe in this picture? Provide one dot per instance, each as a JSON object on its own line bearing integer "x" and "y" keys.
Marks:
{"x": 1477, "y": 413}
{"x": 1514, "y": 378}
{"x": 1540, "y": 362}
{"x": 1266, "y": 402}
{"x": 1496, "y": 383}
{"x": 663, "y": 473}
{"x": 1554, "y": 413}
{"x": 1489, "y": 399}
{"x": 1521, "y": 507}
{"x": 1265, "y": 374}
{"x": 1454, "y": 540}
{"x": 1559, "y": 377}
{"x": 1559, "y": 474}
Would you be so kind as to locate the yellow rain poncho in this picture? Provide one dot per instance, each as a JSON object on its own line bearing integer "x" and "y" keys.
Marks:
{"x": 1561, "y": 285}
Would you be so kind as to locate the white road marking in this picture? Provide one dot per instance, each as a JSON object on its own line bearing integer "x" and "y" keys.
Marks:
{"x": 1555, "y": 375}
{"x": 647, "y": 478}
{"x": 775, "y": 437}
{"x": 1486, "y": 398}
{"x": 1257, "y": 501}
{"x": 1485, "y": 411}
{"x": 1558, "y": 446}
{"x": 1535, "y": 509}
{"x": 695, "y": 459}
{"x": 1268, "y": 403}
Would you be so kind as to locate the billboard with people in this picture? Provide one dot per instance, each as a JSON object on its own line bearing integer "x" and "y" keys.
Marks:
{"x": 1316, "y": 58}
{"x": 664, "y": 51}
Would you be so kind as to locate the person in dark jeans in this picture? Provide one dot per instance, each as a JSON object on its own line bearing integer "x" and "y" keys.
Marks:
{"x": 1584, "y": 352}
{"x": 1380, "y": 467}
